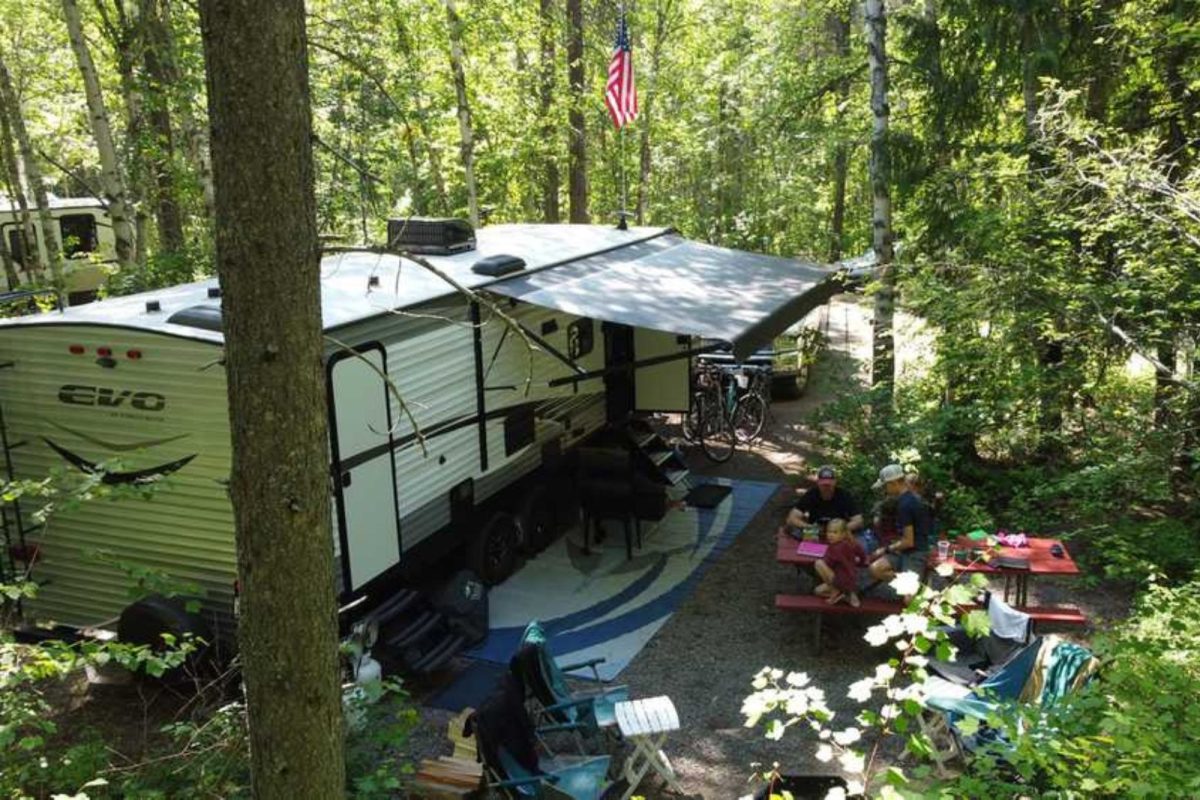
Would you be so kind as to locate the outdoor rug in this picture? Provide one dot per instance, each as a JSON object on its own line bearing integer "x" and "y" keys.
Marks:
{"x": 603, "y": 604}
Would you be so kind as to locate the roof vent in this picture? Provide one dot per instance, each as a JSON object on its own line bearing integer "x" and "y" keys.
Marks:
{"x": 214, "y": 292}
{"x": 207, "y": 318}
{"x": 153, "y": 306}
{"x": 431, "y": 236}
{"x": 498, "y": 265}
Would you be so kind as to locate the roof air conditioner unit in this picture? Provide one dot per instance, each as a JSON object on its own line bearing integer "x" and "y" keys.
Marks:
{"x": 440, "y": 237}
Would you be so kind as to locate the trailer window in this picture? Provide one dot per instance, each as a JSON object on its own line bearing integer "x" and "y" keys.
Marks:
{"x": 78, "y": 233}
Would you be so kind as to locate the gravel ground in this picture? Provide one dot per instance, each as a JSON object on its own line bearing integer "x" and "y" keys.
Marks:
{"x": 706, "y": 654}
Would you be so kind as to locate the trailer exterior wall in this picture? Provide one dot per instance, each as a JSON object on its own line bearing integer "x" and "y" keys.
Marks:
{"x": 185, "y": 529}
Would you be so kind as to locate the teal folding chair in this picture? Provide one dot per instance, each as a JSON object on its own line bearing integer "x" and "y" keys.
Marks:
{"x": 511, "y": 751}
{"x": 546, "y": 681}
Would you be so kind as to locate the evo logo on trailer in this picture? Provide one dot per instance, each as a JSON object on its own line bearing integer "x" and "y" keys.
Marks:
{"x": 104, "y": 397}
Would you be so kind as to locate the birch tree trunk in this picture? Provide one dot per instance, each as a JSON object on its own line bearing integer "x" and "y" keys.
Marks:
{"x": 465, "y": 131}
{"x": 267, "y": 262}
{"x": 883, "y": 360}
{"x": 110, "y": 169}
{"x": 550, "y": 177}
{"x": 422, "y": 113}
{"x": 27, "y": 235}
{"x": 577, "y": 169}
{"x": 33, "y": 177}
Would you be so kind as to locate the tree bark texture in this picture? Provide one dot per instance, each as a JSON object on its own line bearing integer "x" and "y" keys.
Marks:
{"x": 838, "y": 25}
{"x": 577, "y": 179}
{"x": 12, "y": 178}
{"x": 156, "y": 56}
{"x": 550, "y": 179}
{"x": 267, "y": 262}
{"x": 465, "y": 130}
{"x": 111, "y": 177}
{"x": 883, "y": 361}
{"x": 662, "y": 13}
{"x": 33, "y": 177}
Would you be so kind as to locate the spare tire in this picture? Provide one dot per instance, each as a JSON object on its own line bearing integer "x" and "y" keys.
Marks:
{"x": 145, "y": 621}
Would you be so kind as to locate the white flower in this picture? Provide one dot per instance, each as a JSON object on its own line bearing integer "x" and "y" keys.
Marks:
{"x": 876, "y": 635}
{"x": 884, "y": 673}
{"x": 776, "y": 674}
{"x": 860, "y": 691}
{"x": 854, "y": 787}
{"x": 889, "y": 711}
{"x": 847, "y": 737}
{"x": 917, "y": 660}
{"x": 836, "y": 793}
{"x": 915, "y": 623}
{"x": 797, "y": 679}
{"x": 824, "y": 734}
{"x": 852, "y": 761}
{"x": 824, "y": 753}
{"x": 797, "y": 705}
{"x": 906, "y": 584}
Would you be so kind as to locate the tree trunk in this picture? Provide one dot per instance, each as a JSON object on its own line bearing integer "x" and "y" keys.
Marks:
{"x": 113, "y": 182}
{"x": 550, "y": 177}
{"x": 156, "y": 56}
{"x": 883, "y": 362}
{"x": 838, "y": 25}
{"x": 267, "y": 262}
{"x": 33, "y": 177}
{"x": 466, "y": 134}
{"x": 422, "y": 114}
{"x": 27, "y": 235}
{"x": 577, "y": 181}
{"x": 662, "y": 12}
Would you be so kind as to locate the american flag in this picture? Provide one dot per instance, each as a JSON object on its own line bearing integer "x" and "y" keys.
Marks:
{"x": 620, "y": 95}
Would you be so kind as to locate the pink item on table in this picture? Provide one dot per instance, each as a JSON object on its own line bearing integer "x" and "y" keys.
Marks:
{"x": 812, "y": 549}
{"x": 1013, "y": 539}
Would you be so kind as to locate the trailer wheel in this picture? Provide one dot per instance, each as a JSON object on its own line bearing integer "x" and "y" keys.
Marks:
{"x": 492, "y": 553}
{"x": 145, "y": 621}
{"x": 535, "y": 520}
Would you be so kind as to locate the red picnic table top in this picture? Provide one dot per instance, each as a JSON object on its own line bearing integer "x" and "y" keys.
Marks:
{"x": 1041, "y": 560}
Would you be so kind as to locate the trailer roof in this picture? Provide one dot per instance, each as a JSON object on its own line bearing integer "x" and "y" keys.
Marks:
{"x": 347, "y": 295}
{"x": 646, "y": 277}
{"x": 9, "y": 206}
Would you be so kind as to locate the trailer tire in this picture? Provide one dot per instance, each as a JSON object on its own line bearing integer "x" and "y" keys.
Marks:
{"x": 535, "y": 520}
{"x": 492, "y": 552}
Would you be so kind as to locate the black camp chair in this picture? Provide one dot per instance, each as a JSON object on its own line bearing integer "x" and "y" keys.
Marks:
{"x": 507, "y": 744}
{"x": 975, "y": 659}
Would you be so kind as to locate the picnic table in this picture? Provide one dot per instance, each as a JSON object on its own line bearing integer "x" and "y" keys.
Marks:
{"x": 1016, "y": 581}
{"x": 1041, "y": 563}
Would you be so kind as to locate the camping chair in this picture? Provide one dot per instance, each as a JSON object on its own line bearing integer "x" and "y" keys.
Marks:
{"x": 543, "y": 678}
{"x": 507, "y": 745}
{"x": 1008, "y": 631}
{"x": 1043, "y": 672}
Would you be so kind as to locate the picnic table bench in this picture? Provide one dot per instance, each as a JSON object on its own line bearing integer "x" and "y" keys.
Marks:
{"x": 1041, "y": 562}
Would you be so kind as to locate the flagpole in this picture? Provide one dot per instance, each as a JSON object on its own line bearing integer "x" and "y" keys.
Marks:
{"x": 621, "y": 224}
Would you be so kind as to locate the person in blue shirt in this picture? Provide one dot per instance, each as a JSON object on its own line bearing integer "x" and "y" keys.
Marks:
{"x": 914, "y": 524}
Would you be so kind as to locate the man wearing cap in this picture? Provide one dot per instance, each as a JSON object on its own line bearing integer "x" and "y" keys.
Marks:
{"x": 824, "y": 502}
{"x": 910, "y": 551}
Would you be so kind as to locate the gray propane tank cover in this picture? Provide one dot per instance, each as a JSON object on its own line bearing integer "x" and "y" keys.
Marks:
{"x": 463, "y": 601}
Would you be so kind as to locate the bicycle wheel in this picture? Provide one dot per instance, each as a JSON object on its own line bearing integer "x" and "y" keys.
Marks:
{"x": 690, "y": 423}
{"x": 716, "y": 435}
{"x": 748, "y": 417}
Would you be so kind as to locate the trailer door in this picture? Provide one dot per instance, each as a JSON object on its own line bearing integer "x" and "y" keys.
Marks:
{"x": 365, "y": 485}
{"x": 663, "y": 382}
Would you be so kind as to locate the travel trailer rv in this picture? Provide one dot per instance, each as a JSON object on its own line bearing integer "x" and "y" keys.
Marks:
{"x": 563, "y": 330}
{"x": 83, "y": 232}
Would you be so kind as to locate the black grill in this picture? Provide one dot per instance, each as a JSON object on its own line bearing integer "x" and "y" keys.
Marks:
{"x": 431, "y": 236}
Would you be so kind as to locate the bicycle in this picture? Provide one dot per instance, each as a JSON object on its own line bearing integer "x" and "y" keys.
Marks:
{"x": 749, "y": 412}
{"x": 708, "y": 420}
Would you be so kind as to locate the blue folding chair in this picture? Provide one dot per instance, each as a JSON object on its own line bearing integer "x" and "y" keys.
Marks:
{"x": 507, "y": 744}
{"x": 546, "y": 681}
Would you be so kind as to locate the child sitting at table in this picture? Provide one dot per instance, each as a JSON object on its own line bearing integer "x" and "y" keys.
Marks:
{"x": 838, "y": 568}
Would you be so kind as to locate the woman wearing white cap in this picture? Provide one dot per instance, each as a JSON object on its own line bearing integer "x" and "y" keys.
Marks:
{"x": 910, "y": 552}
